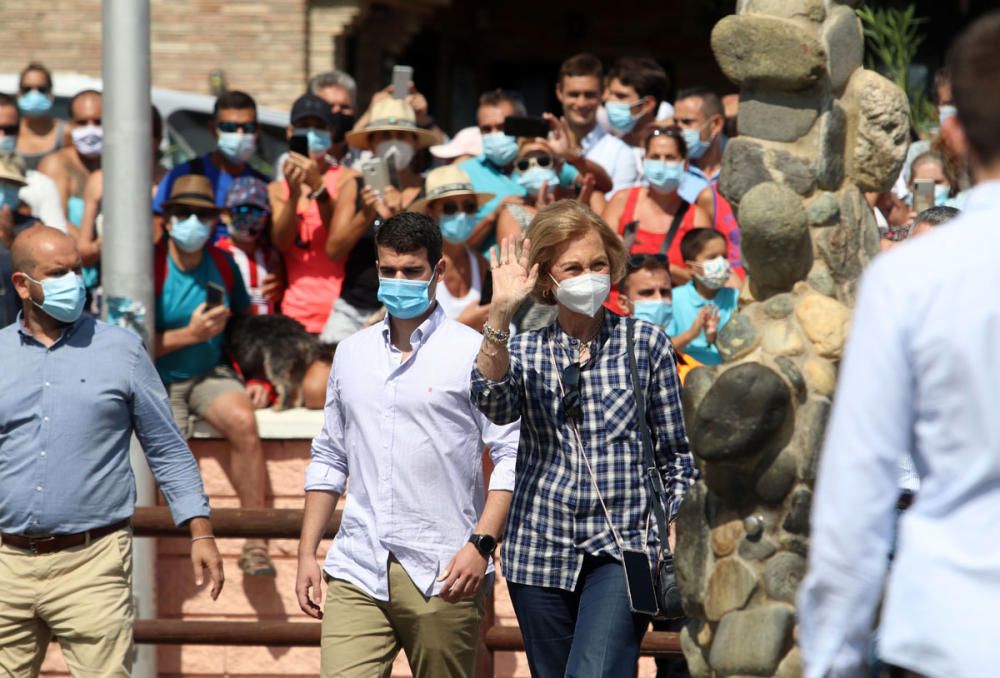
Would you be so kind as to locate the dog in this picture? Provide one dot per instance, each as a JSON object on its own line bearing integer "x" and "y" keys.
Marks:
{"x": 277, "y": 349}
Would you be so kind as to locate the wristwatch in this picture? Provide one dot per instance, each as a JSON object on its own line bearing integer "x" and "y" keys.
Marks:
{"x": 486, "y": 544}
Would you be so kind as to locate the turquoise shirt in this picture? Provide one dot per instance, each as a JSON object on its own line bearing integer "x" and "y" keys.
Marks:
{"x": 687, "y": 302}
{"x": 487, "y": 178}
{"x": 183, "y": 292}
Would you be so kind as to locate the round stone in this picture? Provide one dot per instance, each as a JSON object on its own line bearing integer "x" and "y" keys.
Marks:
{"x": 826, "y": 323}
{"x": 744, "y": 410}
{"x": 797, "y": 519}
{"x": 729, "y": 588}
{"x": 737, "y": 338}
{"x": 725, "y": 537}
{"x": 779, "y": 306}
{"x": 774, "y": 483}
{"x": 776, "y": 240}
{"x": 757, "y": 50}
{"x": 782, "y": 338}
{"x": 752, "y": 641}
{"x": 824, "y": 210}
{"x": 820, "y": 375}
{"x": 782, "y": 576}
{"x": 754, "y": 526}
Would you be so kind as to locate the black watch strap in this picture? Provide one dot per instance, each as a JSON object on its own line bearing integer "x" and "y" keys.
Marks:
{"x": 486, "y": 544}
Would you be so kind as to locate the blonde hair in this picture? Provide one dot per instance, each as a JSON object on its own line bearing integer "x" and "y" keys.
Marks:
{"x": 565, "y": 220}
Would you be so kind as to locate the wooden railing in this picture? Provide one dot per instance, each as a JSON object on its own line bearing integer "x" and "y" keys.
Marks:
{"x": 285, "y": 524}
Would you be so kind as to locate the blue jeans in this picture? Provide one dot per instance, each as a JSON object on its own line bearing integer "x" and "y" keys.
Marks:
{"x": 586, "y": 633}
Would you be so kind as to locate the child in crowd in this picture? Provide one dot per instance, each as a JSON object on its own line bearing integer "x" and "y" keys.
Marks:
{"x": 646, "y": 293}
{"x": 248, "y": 218}
{"x": 703, "y": 306}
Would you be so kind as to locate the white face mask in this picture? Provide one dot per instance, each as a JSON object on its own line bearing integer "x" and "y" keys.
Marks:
{"x": 401, "y": 152}
{"x": 89, "y": 140}
{"x": 715, "y": 272}
{"x": 583, "y": 294}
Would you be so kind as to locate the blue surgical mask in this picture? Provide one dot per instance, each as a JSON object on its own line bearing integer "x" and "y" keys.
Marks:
{"x": 191, "y": 234}
{"x": 620, "y": 115}
{"x": 34, "y": 103}
{"x": 236, "y": 146}
{"x": 319, "y": 140}
{"x": 9, "y": 195}
{"x": 532, "y": 180}
{"x": 8, "y": 143}
{"x": 64, "y": 297}
{"x": 404, "y": 299}
{"x": 456, "y": 228}
{"x": 696, "y": 146}
{"x": 499, "y": 148}
{"x": 941, "y": 196}
{"x": 663, "y": 176}
{"x": 656, "y": 311}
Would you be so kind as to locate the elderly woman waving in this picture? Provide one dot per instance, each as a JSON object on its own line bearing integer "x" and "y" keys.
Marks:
{"x": 581, "y": 500}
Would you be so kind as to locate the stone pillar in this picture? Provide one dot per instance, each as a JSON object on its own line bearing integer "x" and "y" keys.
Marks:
{"x": 816, "y": 131}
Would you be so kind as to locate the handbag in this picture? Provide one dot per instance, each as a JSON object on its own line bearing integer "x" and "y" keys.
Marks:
{"x": 668, "y": 594}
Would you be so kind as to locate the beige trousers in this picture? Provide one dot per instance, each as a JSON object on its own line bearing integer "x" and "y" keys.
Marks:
{"x": 82, "y": 596}
{"x": 362, "y": 636}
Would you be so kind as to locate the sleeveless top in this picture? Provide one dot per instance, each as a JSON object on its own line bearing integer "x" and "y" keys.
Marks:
{"x": 452, "y": 305}
{"x": 31, "y": 160}
{"x": 314, "y": 281}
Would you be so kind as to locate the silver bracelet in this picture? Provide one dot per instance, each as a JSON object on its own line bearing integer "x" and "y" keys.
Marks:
{"x": 495, "y": 335}
{"x": 204, "y": 536}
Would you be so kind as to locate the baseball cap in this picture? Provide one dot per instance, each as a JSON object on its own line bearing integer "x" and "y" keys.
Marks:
{"x": 311, "y": 106}
{"x": 468, "y": 141}
{"x": 248, "y": 191}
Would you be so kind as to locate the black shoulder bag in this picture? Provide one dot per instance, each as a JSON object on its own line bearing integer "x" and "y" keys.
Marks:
{"x": 668, "y": 595}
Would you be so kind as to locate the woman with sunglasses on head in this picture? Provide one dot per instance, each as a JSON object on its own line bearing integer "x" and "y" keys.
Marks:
{"x": 40, "y": 132}
{"x": 450, "y": 200}
{"x": 393, "y": 135}
{"x": 582, "y": 501}
{"x": 653, "y": 218}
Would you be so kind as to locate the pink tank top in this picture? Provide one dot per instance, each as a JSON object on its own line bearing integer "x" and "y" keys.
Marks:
{"x": 314, "y": 281}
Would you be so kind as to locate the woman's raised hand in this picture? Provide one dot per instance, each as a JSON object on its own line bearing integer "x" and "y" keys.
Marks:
{"x": 512, "y": 280}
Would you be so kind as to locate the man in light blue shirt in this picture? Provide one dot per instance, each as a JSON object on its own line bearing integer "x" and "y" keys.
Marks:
{"x": 72, "y": 392}
{"x": 698, "y": 112}
{"x": 919, "y": 376}
{"x": 407, "y": 568}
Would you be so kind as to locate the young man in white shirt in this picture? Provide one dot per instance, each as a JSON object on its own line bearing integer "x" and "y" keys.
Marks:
{"x": 408, "y": 567}
{"x": 579, "y": 91}
{"x": 919, "y": 376}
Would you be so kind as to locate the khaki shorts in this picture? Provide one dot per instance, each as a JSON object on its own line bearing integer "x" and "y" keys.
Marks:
{"x": 191, "y": 398}
{"x": 82, "y": 596}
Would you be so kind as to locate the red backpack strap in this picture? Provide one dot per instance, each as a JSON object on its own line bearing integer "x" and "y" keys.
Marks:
{"x": 160, "y": 266}
{"x": 224, "y": 264}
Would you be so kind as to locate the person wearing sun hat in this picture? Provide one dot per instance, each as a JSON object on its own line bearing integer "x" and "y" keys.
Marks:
{"x": 392, "y": 134}
{"x": 189, "y": 343}
{"x": 450, "y": 200}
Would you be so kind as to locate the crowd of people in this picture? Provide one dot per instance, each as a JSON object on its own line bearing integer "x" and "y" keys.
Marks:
{"x": 538, "y": 296}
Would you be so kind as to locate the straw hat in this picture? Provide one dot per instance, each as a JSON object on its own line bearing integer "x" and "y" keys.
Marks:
{"x": 12, "y": 168}
{"x": 445, "y": 182}
{"x": 192, "y": 190}
{"x": 388, "y": 115}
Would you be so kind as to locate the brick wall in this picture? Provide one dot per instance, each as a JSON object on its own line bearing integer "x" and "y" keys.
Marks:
{"x": 261, "y": 45}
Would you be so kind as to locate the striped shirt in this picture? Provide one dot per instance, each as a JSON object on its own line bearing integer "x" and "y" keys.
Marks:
{"x": 555, "y": 518}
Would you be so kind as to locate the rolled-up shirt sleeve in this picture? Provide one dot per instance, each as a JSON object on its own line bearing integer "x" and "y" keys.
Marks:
{"x": 170, "y": 459}
{"x": 503, "y": 442}
{"x": 666, "y": 420}
{"x": 500, "y": 400}
{"x": 328, "y": 469}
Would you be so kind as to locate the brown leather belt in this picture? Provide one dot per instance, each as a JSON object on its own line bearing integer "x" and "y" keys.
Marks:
{"x": 60, "y": 542}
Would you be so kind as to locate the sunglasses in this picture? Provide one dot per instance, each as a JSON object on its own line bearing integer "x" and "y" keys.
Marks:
{"x": 524, "y": 164}
{"x": 468, "y": 206}
{"x": 44, "y": 89}
{"x": 183, "y": 213}
{"x": 571, "y": 400}
{"x": 9, "y": 130}
{"x": 249, "y": 210}
{"x": 245, "y": 127}
{"x": 639, "y": 260}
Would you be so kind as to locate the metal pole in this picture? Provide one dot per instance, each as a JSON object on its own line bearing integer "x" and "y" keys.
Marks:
{"x": 127, "y": 241}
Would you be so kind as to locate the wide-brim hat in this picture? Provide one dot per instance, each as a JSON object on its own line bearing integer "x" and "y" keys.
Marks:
{"x": 468, "y": 141}
{"x": 12, "y": 168}
{"x": 446, "y": 182}
{"x": 390, "y": 115}
{"x": 192, "y": 190}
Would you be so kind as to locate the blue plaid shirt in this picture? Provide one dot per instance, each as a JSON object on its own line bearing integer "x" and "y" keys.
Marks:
{"x": 555, "y": 518}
